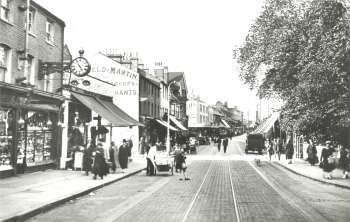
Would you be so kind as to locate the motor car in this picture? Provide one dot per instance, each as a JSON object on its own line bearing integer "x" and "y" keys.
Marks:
{"x": 203, "y": 140}
{"x": 255, "y": 143}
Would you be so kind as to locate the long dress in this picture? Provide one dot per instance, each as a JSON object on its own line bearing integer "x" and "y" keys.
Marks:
{"x": 87, "y": 159}
{"x": 116, "y": 156}
{"x": 327, "y": 167}
{"x": 100, "y": 167}
{"x": 344, "y": 160}
{"x": 312, "y": 154}
{"x": 123, "y": 156}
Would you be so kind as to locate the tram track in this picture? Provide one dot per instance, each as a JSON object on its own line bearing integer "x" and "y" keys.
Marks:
{"x": 219, "y": 180}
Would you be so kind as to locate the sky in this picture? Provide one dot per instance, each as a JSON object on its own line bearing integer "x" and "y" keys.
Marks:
{"x": 193, "y": 36}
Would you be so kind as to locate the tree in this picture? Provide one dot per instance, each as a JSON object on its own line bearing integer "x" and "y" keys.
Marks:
{"x": 303, "y": 48}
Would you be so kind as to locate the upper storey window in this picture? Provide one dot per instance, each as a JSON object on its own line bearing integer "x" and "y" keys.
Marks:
{"x": 5, "y": 10}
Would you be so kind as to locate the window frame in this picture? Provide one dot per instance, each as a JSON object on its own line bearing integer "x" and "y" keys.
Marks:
{"x": 50, "y": 31}
{"x": 5, "y": 8}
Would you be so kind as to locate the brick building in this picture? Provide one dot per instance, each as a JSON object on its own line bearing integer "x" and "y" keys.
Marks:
{"x": 31, "y": 37}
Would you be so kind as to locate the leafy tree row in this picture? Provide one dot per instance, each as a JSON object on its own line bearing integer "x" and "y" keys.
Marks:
{"x": 302, "y": 50}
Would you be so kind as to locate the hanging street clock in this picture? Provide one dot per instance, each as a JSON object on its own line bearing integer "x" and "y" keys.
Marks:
{"x": 80, "y": 67}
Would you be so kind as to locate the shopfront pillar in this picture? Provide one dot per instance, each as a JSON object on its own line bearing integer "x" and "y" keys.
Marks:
{"x": 63, "y": 159}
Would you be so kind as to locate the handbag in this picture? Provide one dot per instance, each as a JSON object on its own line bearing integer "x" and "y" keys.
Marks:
{"x": 183, "y": 165}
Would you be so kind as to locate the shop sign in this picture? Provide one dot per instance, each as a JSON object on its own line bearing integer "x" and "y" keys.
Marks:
{"x": 110, "y": 78}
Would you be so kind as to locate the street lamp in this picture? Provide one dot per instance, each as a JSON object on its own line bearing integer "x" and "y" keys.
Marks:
{"x": 168, "y": 119}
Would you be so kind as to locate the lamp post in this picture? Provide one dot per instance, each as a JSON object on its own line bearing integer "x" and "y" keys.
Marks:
{"x": 168, "y": 120}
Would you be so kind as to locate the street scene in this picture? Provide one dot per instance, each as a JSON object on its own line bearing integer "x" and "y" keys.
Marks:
{"x": 185, "y": 110}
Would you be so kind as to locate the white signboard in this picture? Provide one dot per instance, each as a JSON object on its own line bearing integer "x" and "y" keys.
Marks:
{"x": 108, "y": 77}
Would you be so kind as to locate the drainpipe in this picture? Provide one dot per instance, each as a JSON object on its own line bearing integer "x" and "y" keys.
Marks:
{"x": 26, "y": 42}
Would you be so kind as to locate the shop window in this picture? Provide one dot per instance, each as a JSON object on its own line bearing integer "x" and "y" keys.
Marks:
{"x": 34, "y": 138}
{"x": 50, "y": 32}
{"x": 4, "y": 62}
{"x": 5, "y": 10}
{"x": 6, "y": 134}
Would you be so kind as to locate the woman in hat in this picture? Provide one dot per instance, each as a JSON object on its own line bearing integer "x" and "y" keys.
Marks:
{"x": 100, "y": 167}
{"x": 123, "y": 155}
{"x": 344, "y": 161}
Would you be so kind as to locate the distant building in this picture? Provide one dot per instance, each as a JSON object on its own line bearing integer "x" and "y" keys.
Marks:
{"x": 198, "y": 113}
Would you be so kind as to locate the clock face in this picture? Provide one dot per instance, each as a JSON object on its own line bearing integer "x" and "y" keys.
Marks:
{"x": 80, "y": 67}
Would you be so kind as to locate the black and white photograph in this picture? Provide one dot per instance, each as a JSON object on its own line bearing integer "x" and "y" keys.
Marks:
{"x": 175, "y": 110}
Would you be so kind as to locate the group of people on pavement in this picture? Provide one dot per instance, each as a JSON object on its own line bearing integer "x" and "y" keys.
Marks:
{"x": 223, "y": 141}
{"x": 329, "y": 160}
{"x": 275, "y": 147}
{"x": 94, "y": 158}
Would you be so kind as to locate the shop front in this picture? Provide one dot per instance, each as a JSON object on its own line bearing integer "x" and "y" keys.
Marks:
{"x": 91, "y": 117}
{"x": 28, "y": 130}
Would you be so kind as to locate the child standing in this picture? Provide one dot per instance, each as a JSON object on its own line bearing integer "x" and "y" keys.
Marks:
{"x": 180, "y": 164}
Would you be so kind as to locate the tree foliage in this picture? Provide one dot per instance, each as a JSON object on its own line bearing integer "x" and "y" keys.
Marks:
{"x": 303, "y": 48}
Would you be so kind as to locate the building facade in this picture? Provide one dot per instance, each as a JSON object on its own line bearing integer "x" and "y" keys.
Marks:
{"x": 31, "y": 56}
{"x": 178, "y": 97}
{"x": 198, "y": 113}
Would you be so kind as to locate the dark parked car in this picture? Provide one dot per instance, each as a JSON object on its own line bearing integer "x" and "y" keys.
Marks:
{"x": 255, "y": 142}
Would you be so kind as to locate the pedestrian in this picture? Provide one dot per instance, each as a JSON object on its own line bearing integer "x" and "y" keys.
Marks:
{"x": 274, "y": 146}
{"x": 130, "y": 145}
{"x": 113, "y": 157}
{"x": 100, "y": 166}
{"x": 270, "y": 149}
{"x": 289, "y": 151}
{"x": 327, "y": 163}
{"x": 87, "y": 157}
{"x": 279, "y": 148}
{"x": 150, "y": 157}
{"x": 225, "y": 144}
{"x": 180, "y": 164}
{"x": 311, "y": 153}
{"x": 219, "y": 143}
{"x": 123, "y": 155}
{"x": 344, "y": 161}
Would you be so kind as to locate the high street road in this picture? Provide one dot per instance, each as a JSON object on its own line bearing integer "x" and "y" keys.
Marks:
{"x": 223, "y": 187}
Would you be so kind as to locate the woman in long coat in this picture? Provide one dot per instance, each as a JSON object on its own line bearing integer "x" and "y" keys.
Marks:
{"x": 114, "y": 156}
{"x": 327, "y": 166}
{"x": 100, "y": 167}
{"x": 311, "y": 153}
{"x": 289, "y": 151}
{"x": 87, "y": 158}
{"x": 344, "y": 161}
{"x": 123, "y": 155}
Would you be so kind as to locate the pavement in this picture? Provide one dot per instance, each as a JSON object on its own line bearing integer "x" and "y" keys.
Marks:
{"x": 28, "y": 194}
{"x": 303, "y": 168}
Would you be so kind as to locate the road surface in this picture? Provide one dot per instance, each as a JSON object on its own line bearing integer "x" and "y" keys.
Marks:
{"x": 223, "y": 187}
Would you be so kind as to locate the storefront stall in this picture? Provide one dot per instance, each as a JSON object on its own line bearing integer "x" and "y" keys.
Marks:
{"x": 28, "y": 129}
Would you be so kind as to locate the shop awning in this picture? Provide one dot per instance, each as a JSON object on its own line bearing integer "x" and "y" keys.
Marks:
{"x": 267, "y": 124}
{"x": 106, "y": 109}
{"x": 115, "y": 109}
{"x": 225, "y": 123}
{"x": 177, "y": 123}
{"x": 166, "y": 125}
